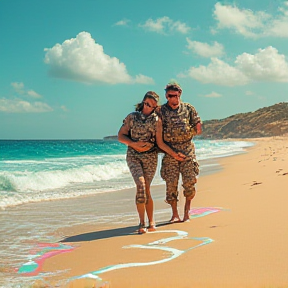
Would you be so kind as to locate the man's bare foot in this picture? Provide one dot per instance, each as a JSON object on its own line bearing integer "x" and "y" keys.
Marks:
{"x": 151, "y": 227}
{"x": 186, "y": 218}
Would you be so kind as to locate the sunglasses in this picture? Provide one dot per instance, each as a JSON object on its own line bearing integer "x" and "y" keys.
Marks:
{"x": 173, "y": 95}
{"x": 172, "y": 88}
{"x": 148, "y": 105}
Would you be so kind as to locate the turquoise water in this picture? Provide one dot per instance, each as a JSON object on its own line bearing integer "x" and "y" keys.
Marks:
{"x": 39, "y": 170}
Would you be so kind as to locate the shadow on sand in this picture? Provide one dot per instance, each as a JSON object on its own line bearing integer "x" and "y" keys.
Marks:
{"x": 124, "y": 231}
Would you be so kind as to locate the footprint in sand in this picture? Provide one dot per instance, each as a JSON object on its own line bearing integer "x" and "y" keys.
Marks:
{"x": 256, "y": 183}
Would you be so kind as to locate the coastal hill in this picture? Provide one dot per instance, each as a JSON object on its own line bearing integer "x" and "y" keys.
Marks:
{"x": 111, "y": 138}
{"x": 264, "y": 122}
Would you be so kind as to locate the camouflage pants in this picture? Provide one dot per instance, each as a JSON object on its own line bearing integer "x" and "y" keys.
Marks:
{"x": 143, "y": 168}
{"x": 170, "y": 172}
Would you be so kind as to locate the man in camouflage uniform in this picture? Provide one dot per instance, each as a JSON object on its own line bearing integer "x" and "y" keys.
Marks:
{"x": 180, "y": 123}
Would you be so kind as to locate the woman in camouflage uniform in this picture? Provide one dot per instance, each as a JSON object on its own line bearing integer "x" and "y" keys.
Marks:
{"x": 139, "y": 133}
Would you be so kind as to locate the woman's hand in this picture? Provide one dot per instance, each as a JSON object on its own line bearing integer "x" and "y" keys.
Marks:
{"x": 141, "y": 146}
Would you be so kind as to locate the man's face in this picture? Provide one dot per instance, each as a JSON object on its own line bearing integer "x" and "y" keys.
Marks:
{"x": 173, "y": 98}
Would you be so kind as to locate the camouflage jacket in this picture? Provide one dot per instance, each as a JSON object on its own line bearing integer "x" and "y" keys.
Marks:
{"x": 141, "y": 127}
{"x": 179, "y": 124}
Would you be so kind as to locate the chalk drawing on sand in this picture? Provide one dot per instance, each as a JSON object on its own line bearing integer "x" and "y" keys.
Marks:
{"x": 40, "y": 254}
{"x": 159, "y": 245}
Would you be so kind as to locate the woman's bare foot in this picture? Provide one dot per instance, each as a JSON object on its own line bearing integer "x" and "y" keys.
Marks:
{"x": 142, "y": 229}
{"x": 175, "y": 219}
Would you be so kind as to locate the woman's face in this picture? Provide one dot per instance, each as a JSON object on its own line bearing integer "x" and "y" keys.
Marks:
{"x": 149, "y": 106}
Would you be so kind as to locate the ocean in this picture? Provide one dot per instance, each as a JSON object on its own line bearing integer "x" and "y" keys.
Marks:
{"x": 36, "y": 173}
{"x": 39, "y": 170}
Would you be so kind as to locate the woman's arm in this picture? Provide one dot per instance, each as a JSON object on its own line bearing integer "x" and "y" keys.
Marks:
{"x": 123, "y": 137}
{"x": 159, "y": 139}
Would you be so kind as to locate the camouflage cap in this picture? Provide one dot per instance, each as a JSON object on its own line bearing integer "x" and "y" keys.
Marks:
{"x": 173, "y": 85}
{"x": 152, "y": 94}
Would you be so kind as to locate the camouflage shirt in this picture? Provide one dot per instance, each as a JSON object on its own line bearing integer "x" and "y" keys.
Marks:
{"x": 179, "y": 124}
{"x": 141, "y": 127}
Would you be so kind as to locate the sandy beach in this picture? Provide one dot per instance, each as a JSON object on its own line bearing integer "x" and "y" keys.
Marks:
{"x": 238, "y": 239}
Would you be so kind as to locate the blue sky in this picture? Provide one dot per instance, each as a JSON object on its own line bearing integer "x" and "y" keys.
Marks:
{"x": 75, "y": 69}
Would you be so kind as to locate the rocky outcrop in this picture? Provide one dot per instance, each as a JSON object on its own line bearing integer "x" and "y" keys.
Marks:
{"x": 264, "y": 122}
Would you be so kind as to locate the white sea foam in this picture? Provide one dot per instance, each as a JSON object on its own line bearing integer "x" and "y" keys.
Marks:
{"x": 210, "y": 149}
{"x": 26, "y": 180}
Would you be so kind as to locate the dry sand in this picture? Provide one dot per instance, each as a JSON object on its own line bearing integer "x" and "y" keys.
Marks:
{"x": 250, "y": 234}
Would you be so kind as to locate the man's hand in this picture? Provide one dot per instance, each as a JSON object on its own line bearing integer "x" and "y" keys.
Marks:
{"x": 179, "y": 156}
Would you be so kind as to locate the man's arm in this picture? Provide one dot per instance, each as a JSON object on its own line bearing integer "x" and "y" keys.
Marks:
{"x": 198, "y": 128}
{"x": 194, "y": 118}
{"x": 159, "y": 139}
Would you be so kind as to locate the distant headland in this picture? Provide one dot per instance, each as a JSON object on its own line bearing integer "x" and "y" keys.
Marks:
{"x": 264, "y": 122}
{"x": 111, "y": 138}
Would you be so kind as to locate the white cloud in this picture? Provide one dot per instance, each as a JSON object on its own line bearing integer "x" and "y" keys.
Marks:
{"x": 157, "y": 25}
{"x": 21, "y": 106}
{"x": 18, "y": 105}
{"x": 251, "y": 24}
{"x": 244, "y": 21}
{"x": 20, "y": 89}
{"x": 82, "y": 59}
{"x": 164, "y": 25}
{"x": 279, "y": 28}
{"x": 33, "y": 94}
{"x": 123, "y": 22}
{"x": 218, "y": 72}
{"x": 204, "y": 49}
{"x": 141, "y": 79}
{"x": 279, "y": 25}
{"x": 213, "y": 95}
{"x": 180, "y": 27}
{"x": 64, "y": 108}
{"x": 266, "y": 65}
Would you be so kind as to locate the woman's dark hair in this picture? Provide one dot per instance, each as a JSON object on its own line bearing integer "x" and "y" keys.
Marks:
{"x": 149, "y": 94}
